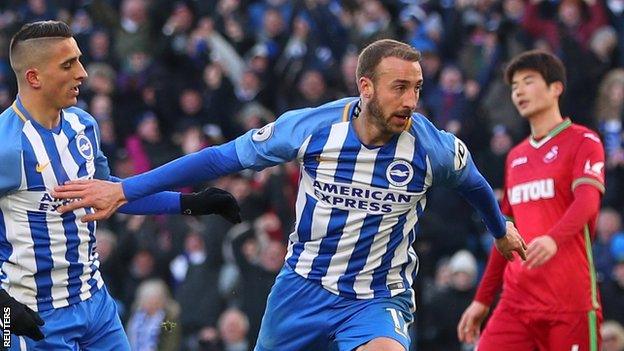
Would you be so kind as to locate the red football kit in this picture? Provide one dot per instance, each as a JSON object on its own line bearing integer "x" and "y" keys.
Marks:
{"x": 550, "y": 188}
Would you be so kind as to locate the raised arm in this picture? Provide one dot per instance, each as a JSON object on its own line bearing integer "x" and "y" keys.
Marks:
{"x": 205, "y": 202}
{"x": 108, "y": 196}
{"x": 273, "y": 144}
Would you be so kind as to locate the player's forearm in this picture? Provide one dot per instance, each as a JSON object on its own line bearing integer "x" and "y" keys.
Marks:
{"x": 584, "y": 207}
{"x": 480, "y": 195}
{"x": 165, "y": 202}
{"x": 492, "y": 280}
{"x": 207, "y": 164}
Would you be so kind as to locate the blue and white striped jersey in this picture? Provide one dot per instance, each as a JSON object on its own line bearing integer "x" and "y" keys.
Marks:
{"x": 357, "y": 206}
{"x": 47, "y": 260}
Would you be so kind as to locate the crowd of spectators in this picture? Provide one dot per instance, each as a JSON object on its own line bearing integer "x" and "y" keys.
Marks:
{"x": 167, "y": 78}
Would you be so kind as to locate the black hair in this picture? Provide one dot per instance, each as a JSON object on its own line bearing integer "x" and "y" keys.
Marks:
{"x": 546, "y": 64}
{"x": 41, "y": 29}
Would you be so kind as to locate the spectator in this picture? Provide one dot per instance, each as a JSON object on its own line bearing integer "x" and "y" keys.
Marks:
{"x": 608, "y": 226}
{"x": 447, "y": 102}
{"x": 348, "y": 86}
{"x": 311, "y": 90}
{"x": 259, "y": 263}
{"x": 233, "y": 328}
{"x": 577, "y": 19}
{"x": 196, "y": 278}
{"x": 132, "y": 27}
{"x": 111, "y": 266}
{"x": 250, "y": 60}
{"x": 153, "y": 323}
{"x": 372, "y": 22}
{"x": 613, "y": 290}
{"x": 612, "y": 335}
{"x": 609, "y": 112}
{"x": 147, "y": 148}
{"x": 491, "y": 162}
{"x": 615, "y": 9}
{"x": 99, "y": 49}
{"x": 446, "y": 307}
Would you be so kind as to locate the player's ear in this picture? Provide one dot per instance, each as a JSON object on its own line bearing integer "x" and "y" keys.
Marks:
{"x": 32, "y": 78}
{"x": 557, "y": 88}
{"x": 367, "y": 90}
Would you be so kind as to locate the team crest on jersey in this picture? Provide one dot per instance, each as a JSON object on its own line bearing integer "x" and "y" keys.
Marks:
{"x": 552, "y": 154}
{"x": 399, "y": 173}
{"x": 263, "y": 133}
{"x": 84, "y": 146}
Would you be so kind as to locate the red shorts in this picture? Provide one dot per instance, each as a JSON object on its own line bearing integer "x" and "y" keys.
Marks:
{"x": 513, "y": 330}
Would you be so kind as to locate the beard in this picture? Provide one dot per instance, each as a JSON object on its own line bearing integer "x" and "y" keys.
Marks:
{"x": 381, "y": 121}
{"x": 377, "y": 115}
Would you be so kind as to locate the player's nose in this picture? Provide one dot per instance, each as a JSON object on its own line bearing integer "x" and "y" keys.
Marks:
{"x": 82, "y": 72}
{"x": 410, "y": 100}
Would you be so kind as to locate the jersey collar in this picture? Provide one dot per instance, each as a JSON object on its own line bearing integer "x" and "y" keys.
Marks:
{"x": 553, "y": 133}
{"x": 351, "y": 110}
{"x": 20, "y": 111}
{"x": 25, "y": 116}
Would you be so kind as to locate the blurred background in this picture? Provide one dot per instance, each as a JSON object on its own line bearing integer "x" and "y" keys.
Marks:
{"x": 167, "y": 78}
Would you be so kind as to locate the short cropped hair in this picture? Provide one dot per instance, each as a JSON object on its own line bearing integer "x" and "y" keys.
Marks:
{"x": 37, "y": 30}
{"x": 547, "y": 65}
{"x": 373, "y": 54}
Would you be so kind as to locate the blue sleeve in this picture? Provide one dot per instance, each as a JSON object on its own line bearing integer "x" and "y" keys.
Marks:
{"x": 450, "y": 158}
{"x": 453, "y": 167}
{"x": 165, "y": 202}
{"x": 10, "y": 177}
{"x": 102, "y": 170}
{"x": 257, "y": 149}
{"x": 276, "y": 142}
{"x": 207, "y": 164}
{"x": 476, "y": 190}
{"x": 10, "y": 152}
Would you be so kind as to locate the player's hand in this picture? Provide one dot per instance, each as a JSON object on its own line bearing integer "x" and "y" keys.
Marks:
{"x": 469, "y": 326}
{"x": 512, "y": 241}
{"x": 103, "y": 196}
{"x": 209, "y": 201}
{"x": 541, "y": 249}
{"x": 24, "y": 321}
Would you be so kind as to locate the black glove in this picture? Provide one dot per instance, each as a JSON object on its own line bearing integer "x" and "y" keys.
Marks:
{"x": 24, "y": 321}
{"x": 209, "y": 201}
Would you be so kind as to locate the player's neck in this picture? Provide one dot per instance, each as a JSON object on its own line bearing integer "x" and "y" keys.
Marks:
{"x": 368, "y": 132}
{"x": 48, "y": 117}
{"x": 541, "y": 124}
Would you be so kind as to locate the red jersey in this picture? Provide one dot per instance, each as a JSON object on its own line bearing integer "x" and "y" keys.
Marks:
{"x": 539, "y": 183}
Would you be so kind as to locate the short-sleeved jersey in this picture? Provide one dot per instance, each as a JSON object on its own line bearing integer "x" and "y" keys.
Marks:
{"x": 47, "y": 259}
{"x": 357, "y": 206}
{"x": 539, "y": 183}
